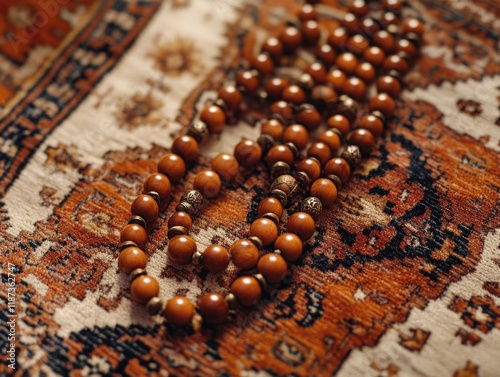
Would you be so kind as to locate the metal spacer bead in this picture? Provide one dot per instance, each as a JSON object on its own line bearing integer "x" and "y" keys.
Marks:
{"x": 405, "y": 56}
{"x": 338, "y": 132}
{"x": 262, "y": 95}
{"x": 379, "y": 115}
{"x": 262, "y": 281}
{"x": 336, "y": 180}
{"x": 155, "y": 196}
{"x": 266, "y": 142}
{"x": 126, "y": 244}
{"x": 280, "y": 195}
{"x": 138, "y": 220}
{"x": 306, "y": 81}
{"x": 392, "y": 29}
{"x": 176, "y": 231}
{"x": 279, "y": 118}
{"x": 231, "y": 300}
{"x": 277, "y": 251}
{"x": 312, "y": 206}
{"x": 136, "y": 273}
{"x": 413, "y": 38}
{"x": 256, "y": 241}
{"x": 273, "y": 217}
{"x": 279, "y": 168}
{"x": 185, "y": 207}
{"x": 347, "y": 107}
{"x": 293, "y": 148}
{"x": 220, "y": 103}
{"x": 197, "y": 258}
{"x": 303, "y": 179}
{"x": 352, "y": 155}
{"x": 197, "y": 322}
{"x": 199, "y": 131}
{"x": 396, "y": 75}
{"x": 154, "y": 306}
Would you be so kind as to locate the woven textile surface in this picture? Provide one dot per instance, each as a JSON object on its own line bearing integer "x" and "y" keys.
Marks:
{"x": 402, "y": 277}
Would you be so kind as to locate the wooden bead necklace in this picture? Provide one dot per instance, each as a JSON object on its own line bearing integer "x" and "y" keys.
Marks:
{"x": 348, "y": 60}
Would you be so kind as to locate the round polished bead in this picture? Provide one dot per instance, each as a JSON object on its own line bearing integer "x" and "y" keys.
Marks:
{"x": 413, "y": 25}
{"x": 308, "y": 116}
{"x": 226, "y": 166}
{"x": 231, "y": 96}
{"x": 321, "y": 151}
{"x": 347, "y": 62}
{"x": 293, "y": 94}
{"x": 374, "y": 55}
{"x": 208, "y": 183}
{"x": 135, "y": 233}
{"x": 301, "y": 224}
{"x": 393, "y": 5}
{"x": 326, "y": 54}
{"x": 280, "y": 153}
{"x": 282, "y": 109}
{"x": 180, "y": 219}
{"x": 272, "y": 127}
{"x": 330, "y": 138}
{"x": 265, "y": 229}
{"x": 338, "y": 38}
{"x": 339, "y": 167}
{"x": 290, "y": 246}
{"x": 270, "y": 205}
{"x": 247, "y": 290}
{"x": 357, "y": 44}
{"x": 144, "y": 288}
{"x": 248, "y": 81}
{"x": 215, "y": 258}
{"x": 307, "y": 12}
{"x": 274, "y": 87}
{"x": 363, "y": 139}
{"x": 181, "y": 249}
{"x": 160, "y": 184}
{"x": 366, "y": 72}
{"x": 263, "y": 64}
{"x": 359, "y": 8}
{"x": 311, "y": 32}
{"x": 185, "y": 146}
{"x": 336, "y": 78}
{"x": 173, "y": 166}
{"x": 273, "y": 47}
{"x": 373, "y": 124}
{"x": 273, "y": 267}
{"x": 296, "y": 134}
{"x": 214, "y": 117}
{"x": 406, "y": 46}
{"x": 384, "y": 103}
{"x": 179, "y": 311}
{"x": 213, "y": 308}
{"x": 244, "y": 254}
{"x": 291, "y": 37}
{"x": 368, "y": 27}
{"x": 390, "y": 85}
{"x": 317, "y": 72}
{"x": 248, "y": 153}
{"x": 311, "y": 167}
{"x": 199, "y": 130}
{"x": 146, "y": 207}
{"x": 132, "y": 258}
{"x": 354, "y": 88}
{"x": 384, "y": 40}
{"x": 325, "y": 190}
{"x": 350, "y": 22}
{"x": 339, "y": 122}
{"x": 396, "y": 63}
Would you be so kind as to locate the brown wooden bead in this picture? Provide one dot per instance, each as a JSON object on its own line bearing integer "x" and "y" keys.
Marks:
{"x": 406, "y": 46}
{"x": 339, "y": 122}
{"x": 272, "y": 127}
{"x": 326, "y": 54}
{"x": 280, "y": 153}
{"x": 366, "y": 72}
{"x": 309, "y": 117}
{"x": 226, "y": 166}
{"x": 132, "y": 258}
{"x": 173, "y": 166}
{"x": 248, "y": 153}
{"x": 384, "y": 103}
{"x": 179, "y": 311}
{"x": 390, "y": 85}
{"x": 301, "y": 224}
{"x": 144, "y": 288}
{"x": 296, "y": 134}
{"x": 247, "y": 81}
{"x": 393, "y": 6}
{"x": 291, "y": 37}
{"x": 244, "y": 254}
{"x": 208, "y": 183}
{"x": 336, "y": 78}
{"x": 265, "y": 229}
{"x": 413, "y": 25}
{"x": 134, "y": 233}
{"x": 396, "y": 63}
{"x": 321, "y": 151}
{"x": 146, "y": 207}
{"x": 363, "y": 139}
{"x": 357, "y": 44}
{"x": 384, "y": 40}
{"x": 354, "y": 88}
{"x": 368, "y": 27}
{"x": 347, "y": 62}
{"x": 273, "y": 267}
{"x": 213, "y": 308}
{"x": 359, "y": 8}
{"x": 247, "y": 290}
{"x": 181, "y": 249}
{"x": 290, "y": 246}
{"x": 186, "y": 147}
{"x": 350, "y": 22}
{"x": 160, "y": 184}
{"x": 274, "y": 87}
{"x": 273, "y": 47}
{"x": 311, "y": 167}
{"x": 330, "y": 138}
{"x": 338, "y": 38}
{"x": 263, "y": 64}
{"x": 317, "y": 72}
{"x": 374, "y": 55}
{"x": 180, "y": 219}
{"x": 373, "y": 124}
{"x": 270, "y": 205}
{"x": 311, "y": 32}
{"x": 307, "y": 12}
{"x": 325, "y": 190}
{"x": 293, "y": 94}
{"x": 231, "y": 96}
{"x": 283, "y": 109}
{"x": 215, "y": 258}
{"x": 339, "y": 167}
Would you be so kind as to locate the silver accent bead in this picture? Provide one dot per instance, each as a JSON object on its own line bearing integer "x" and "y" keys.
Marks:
{"x": 138, "y": 220}
{"x": 279, "y": 168}
{"x": 176, "y": 231}
{"x": 312, "y": 206}
{"x": 154, "y": 306}
{"x": 287, "y": 184}
{"x": 191, "y": 202}
{"x": 126, "y": 244}
{"x": 199, "y": 131}
{"x": 136, "y": 273}
{"x": 352, "y": 155}
{"x": 347, "y": 107}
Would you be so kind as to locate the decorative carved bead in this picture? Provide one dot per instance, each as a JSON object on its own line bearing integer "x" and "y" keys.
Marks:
{"x": 199, "y": 131}
{"x": 347, "y": 107}
{"x": 312, "y": 206}
{"x": 287, "y": 184}
{"x": 352, "y": 155}
{"x": 195, "y": 202}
